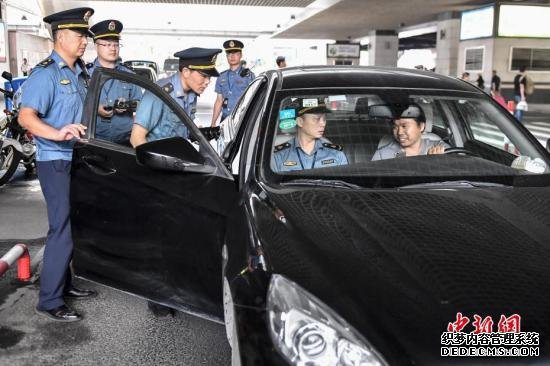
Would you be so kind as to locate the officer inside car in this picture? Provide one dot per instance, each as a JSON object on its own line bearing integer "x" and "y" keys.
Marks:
{"x": 309, "y": 149}
{"x": 114, "y": 122}
{"x": 51, "y": 109}
{"x": 154, "y": 120}
{"x": 232, "y": 82}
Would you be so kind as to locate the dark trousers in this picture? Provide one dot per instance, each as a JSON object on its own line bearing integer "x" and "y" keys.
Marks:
{"x": 55, "y": 180}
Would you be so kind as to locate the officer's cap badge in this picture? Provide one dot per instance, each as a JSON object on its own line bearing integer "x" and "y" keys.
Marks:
{"x": 214, "y": 58}
{"x": 87, "y": 15}
{"x": 111, "y": 26}
{"x": 231, "y": 44}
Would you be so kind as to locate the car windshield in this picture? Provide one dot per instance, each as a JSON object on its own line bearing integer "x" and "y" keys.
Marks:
{"x": 399, "y": 138}
{"x": 171, "y": 65}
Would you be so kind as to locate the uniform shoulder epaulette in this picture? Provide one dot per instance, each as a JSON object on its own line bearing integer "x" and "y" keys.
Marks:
{"x": 168, "y": 87}
{"x": 333, "y": 146}
{"x": 284, "y": 145}
{"x": 89, "y": 65}
{"x": 46, "y": 62}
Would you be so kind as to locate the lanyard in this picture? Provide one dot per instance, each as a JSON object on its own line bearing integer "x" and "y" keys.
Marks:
{"x": 300, "y": 158}
{"x": 237, "y": 74}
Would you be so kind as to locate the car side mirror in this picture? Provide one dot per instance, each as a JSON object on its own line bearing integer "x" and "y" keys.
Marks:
{"x": 173, "y": 154}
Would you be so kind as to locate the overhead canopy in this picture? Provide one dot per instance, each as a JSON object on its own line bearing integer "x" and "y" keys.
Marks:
{"x": 315, "y": 19}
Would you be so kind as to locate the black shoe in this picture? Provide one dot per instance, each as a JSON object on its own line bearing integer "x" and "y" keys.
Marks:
{"x": 76, "y": 293}
{"x": 61, "y": 314}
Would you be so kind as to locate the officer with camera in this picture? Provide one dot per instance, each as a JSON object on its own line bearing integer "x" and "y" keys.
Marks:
{"x": 51, "y": 109}
{"x": 232, "y": 82}
{"x": 154, "y": 119}
{"x": 115, "y": 111}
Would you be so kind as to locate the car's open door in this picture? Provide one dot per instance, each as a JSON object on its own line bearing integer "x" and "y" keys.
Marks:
{"x": 151, "y": 227}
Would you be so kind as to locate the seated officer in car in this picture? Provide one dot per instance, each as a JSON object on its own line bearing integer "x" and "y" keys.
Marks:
{"x": 408, "y": 139}
{"x": 154, "y": 120}
{"x": 309, "y": 149}
{"x": 113, "y": 123}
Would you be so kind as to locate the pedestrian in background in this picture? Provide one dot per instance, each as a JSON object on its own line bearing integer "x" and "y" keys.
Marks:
{"x": 51, "y": 108}
{"x": 520, "y": 81}
{"x": 25, "y": 67}
{"x": 231, "y": 83}
{"x": 113, "y": 123}
{"x": 480, "y": 82}
{"x": 495, "y": 83}
{"x": 281, "y": 62}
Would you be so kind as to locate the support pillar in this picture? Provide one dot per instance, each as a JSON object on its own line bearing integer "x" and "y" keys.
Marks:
{"x": 383, "y": 48}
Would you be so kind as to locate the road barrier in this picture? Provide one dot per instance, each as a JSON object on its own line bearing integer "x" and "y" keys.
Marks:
{"x": 18, "y": 253}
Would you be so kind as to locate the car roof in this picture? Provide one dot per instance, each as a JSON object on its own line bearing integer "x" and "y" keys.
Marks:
{"x": 306, "y": 77}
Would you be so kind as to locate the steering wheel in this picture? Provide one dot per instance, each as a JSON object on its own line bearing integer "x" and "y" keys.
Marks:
{"x": 460, "y": 150}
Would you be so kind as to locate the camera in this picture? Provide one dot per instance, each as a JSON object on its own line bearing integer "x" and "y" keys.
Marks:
{"x": 129, "y": 106}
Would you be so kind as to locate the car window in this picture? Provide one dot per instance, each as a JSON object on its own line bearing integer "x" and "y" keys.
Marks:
{"x": 117, "y": 105}
{"x": 122, "y": 105}
{"x": 231, "y": 125}
{"x": 171, "y": 65}
{"x": 483, "y": 124}
{"x": 399, "y": 133}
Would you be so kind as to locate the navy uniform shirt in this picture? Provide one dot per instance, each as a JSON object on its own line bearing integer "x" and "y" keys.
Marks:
{"x": 289, "y": 156}
{"x": 231, "y": 85}
{"x": 119, "y": 126}
{"x": 394, "y": 150}
{"x": 158, "y": 118}
{"x": 57, "y": 93}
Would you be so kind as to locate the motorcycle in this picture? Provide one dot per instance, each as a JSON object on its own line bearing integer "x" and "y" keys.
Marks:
{"x": 16, "y": 144}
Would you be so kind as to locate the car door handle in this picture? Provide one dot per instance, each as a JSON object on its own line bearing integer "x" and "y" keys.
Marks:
{"x": 97, "y": 165}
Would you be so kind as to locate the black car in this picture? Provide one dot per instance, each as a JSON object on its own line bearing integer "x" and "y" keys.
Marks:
{"x": 371, "y": 255}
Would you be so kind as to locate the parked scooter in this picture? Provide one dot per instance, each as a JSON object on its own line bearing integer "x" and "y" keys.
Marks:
{"x": 16, "y": 144}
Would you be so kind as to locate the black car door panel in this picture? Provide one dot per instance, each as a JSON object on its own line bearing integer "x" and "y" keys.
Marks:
{"x": 154, "y": 233}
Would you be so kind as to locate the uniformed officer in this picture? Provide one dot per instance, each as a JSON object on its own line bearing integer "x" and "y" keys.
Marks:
{"x": 309, "y": 149}
{"x": 113, "y": 124}
{"x": 154, "y": 120}
{"x": 51, "y": 108}
{"x": 232, "y": 82}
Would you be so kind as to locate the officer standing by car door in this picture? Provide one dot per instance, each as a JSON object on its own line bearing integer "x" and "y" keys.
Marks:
{"x": 154, "y": 120}
{"x": 51, "y": 108}
{"x": 113, "y": 123}
{"x": 232, "y": 82}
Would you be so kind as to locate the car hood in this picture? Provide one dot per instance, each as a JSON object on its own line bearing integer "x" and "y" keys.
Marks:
{"x": 400, "y": 264}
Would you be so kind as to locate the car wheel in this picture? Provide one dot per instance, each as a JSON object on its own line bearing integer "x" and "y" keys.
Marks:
{"x": 229, "y": 314}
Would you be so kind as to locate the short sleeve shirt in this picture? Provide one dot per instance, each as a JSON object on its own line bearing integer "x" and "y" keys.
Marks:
{"x": 231, "y": 85}
{"x": 394, "y": 150}
{"x": 119, "y": 126}
{"x": 289, "y": 156}
{"x": 56, "y": 93}
{"x": 155, "y": 116}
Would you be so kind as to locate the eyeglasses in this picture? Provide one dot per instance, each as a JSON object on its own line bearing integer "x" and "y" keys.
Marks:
{"x": 110, "y": 45}
{"x": 204, "y": 75}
